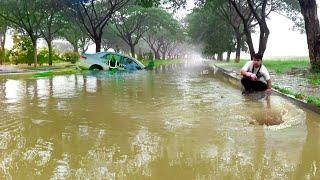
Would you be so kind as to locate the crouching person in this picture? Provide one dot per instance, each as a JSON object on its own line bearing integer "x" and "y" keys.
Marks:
{"x": 255, "y": 76}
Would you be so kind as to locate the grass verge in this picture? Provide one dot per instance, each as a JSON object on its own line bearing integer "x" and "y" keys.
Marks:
{"x": 275, "y": 65}
{"x": 159, "y": 62}
{"x": 314, "y": 79}
{"x": 309, "y": 99}
{"x": 43, "y": 73}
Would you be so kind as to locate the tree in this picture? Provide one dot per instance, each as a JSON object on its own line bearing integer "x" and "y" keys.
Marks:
{"x": 3, "y": 31}
{"x": 261, "y": 19}
{"x": 26, "y": 16}
{"x": 111, "y": 40}
{"x": 260, "y": 10}
{"x": 226, "y": 12}
{"x": 164, "y": 29}
{"x": 130, "y": 25}
{"x": 175, "y": 4}
{"x": 73, "y": 33}
{"x": 52, "y": 23}
{"x": 245, "y": 14}
{"x": 212, "y": 32}
{"x": 154, "y": 42}
{"x": 171, "y": 40}
{"x": 93, "y": 15}
{"x": 22, "y": 50}
{"x": 310, "y": 15}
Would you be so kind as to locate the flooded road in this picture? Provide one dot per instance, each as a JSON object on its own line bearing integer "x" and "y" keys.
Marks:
{"x": 176, "y": 122}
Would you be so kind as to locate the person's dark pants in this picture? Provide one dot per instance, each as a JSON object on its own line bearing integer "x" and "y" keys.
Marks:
{"x": 251, "y": 86}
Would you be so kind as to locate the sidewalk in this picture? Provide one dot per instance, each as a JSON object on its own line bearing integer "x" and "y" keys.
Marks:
{"x": 10, "y": 69}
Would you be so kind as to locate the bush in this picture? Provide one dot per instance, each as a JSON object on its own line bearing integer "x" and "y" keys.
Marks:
{"x": 43, "y": 56}
{"x": 22, "y": 50}
{"x": 72, "y": 57}
{"x": 149, "y": 56}
{"x": 140, "y": 57}
{"x": 4, "y": 55}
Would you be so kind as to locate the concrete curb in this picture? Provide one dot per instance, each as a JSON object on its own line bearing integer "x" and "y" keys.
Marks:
{"x": 235, "y": 78}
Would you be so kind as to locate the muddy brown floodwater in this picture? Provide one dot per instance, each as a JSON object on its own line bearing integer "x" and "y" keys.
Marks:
{"x": 176, "y": 122}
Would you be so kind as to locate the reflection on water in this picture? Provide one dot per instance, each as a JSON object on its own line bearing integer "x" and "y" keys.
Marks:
{"x": 180, "y": 121}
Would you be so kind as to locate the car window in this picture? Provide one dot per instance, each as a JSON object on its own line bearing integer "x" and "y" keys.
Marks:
{"x": 126, "y": 60}
{"x": 130, "y": 64}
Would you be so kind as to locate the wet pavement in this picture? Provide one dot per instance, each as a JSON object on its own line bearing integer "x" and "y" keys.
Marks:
{"x": 10, "y": 69}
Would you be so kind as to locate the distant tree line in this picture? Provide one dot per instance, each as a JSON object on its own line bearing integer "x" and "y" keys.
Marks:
{"x": 124, "y": 25}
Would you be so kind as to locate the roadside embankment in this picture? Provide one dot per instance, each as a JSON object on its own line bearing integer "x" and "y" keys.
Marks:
{"x": 299, "y": 98}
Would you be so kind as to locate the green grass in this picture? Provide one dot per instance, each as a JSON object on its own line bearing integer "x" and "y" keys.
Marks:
{"x": 314, "y": 79}
{"x": 44, "y": 73}
{"x": 65, "y": 71}
{"x": 309, "y": 99}
{"x": 282, "y": 66}
{"x": 313, "y": 100}
{"x": 46, "y": 67}
{"x": 275, "y": 65}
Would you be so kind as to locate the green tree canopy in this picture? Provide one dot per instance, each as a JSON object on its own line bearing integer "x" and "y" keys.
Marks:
{"x": 25, "y": 16}
{"x": 93, "y": 15}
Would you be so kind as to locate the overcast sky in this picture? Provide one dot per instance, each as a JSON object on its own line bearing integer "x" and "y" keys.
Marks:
{"x": 282, "y": 42}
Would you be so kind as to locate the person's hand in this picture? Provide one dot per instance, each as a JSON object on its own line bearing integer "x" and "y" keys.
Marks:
{"x": 269, "y": 91}
{"x": 253, "y": 77}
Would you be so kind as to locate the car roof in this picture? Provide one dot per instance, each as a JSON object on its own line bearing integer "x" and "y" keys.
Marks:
{"x": 100, "y": 54}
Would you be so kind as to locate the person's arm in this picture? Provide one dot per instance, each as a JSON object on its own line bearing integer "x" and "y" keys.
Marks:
{"x": 269, "y": 85}
{"x": 248, "y": 74}
{"x": 244, "y": 72}
{"x": 267, "y": 78}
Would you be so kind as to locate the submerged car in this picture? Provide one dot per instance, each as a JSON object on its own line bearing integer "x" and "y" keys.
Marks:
{"x": 108, "y": 61}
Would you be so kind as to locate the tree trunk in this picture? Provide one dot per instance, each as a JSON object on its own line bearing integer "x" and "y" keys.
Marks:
{"x": 248, "y": 38}
{"x": 157, "y": 55}
{"x": 75, "y": 47}
{"x": 140, "y": 52}
{"x": 309, "y": 12}
{"x": 50, "y": 52}
{"x": 117, "y": 48}
{"x": 34, "y": 43}
{"x": 263, "y": 27}
{"x": 97, "y": 41}
{"x": 264, "y": 34}
{"x": 238, "y": 45}
{"x": 2, "y": 44}
{"x": 132, "y": 50}
{"x": 246, "y": 28}
{"x": 228, "y": 55}
{"x": 213, "y": 57}
{"x": 163, "y": 55}
{"x": 220, "y": 57}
